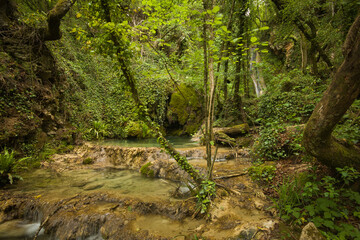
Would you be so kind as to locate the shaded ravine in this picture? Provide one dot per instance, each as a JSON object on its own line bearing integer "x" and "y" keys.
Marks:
{"x": 110, "y": 200}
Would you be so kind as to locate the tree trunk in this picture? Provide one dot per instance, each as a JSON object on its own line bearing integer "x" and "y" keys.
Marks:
{"x": 52, "y": 32}
{"x": 304, "y": 52}
{"x": 226, "y": 80}
{"x": 343, "y": 90}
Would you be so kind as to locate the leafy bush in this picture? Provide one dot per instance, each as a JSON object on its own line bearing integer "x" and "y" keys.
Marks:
{"x": 98, "y": 130}
{"x": 262, "y": 173}
{"x": 349, "y": 128}
{"x": 290, "y": 98}
{"x": 8, "y": 166}
{"x": 206, "y": 193}
{"x": 138, "y": 129}
{"x": 329, "y": 203}
{"x": 277, "y": 142}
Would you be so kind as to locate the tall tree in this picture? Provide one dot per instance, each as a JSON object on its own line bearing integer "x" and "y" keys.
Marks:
{"x": 341, "y": 93}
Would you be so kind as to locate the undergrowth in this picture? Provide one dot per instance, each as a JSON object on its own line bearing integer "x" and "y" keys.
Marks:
{"x": 328, "y": 202}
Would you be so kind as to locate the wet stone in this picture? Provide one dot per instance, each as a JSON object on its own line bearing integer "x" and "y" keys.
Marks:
{"x": 247, "y": 234}
{"x": 93, "y": 186}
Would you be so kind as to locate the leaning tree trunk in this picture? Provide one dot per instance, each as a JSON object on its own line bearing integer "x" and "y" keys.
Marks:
{"x": 343, "y": 90}
{"x": 52, "y": 31}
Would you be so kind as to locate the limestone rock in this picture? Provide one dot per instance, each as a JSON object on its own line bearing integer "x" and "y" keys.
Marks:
{"x": 310, "y": 232}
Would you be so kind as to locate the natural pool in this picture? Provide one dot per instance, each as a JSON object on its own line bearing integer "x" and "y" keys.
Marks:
{"x": 51, "y": 184}
{"x": 176, "y": 141}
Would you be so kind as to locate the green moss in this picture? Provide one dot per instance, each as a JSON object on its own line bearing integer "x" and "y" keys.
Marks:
{"x": 185, "y": 109}
{"x": 146, "y": 171}
{"x": 88, "y": 160}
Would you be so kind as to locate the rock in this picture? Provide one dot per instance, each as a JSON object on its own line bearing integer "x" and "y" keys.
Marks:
{"x": 182, "y": 192}
{"x": 310, "y": 232}
{"x": 247, "y": 234}
{"x": 258, "y": 204}
{"x": 269, "y": 225}
{"x": 93, "y": 186}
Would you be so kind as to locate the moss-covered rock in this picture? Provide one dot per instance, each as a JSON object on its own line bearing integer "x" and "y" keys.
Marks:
{"x": 88, "y": 160}
{"x": 146, "y": 171}
{"x": 185, "y": 110}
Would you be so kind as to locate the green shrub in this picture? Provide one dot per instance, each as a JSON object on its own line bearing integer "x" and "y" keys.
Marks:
{"x": 98, "y": 130}
{"x": 262, "y": 173}
{"x": 9, "y": 165}
{"x": 277, "y": 142}
{"x": 290, "y": 98}
{"x": 349, "y": 128}
{"x": 138, "y": 129}
{"x": 329, "y": 203}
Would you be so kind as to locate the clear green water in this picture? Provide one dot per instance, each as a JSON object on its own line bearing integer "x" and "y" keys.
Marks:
{"x": 177, "y": 142}
{"x": 52, "y": 184}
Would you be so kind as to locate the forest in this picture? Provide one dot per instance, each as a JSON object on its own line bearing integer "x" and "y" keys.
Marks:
{"x": 263, "y": 97}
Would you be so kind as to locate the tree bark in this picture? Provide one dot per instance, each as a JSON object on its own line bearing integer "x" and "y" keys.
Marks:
{"x": 304, "y": 52}
{"x": 343, "y": 90}
{"x": 52, "y": 32}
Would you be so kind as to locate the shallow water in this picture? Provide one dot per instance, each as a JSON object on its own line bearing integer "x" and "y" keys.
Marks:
{"x": 24, "y": 230}
{"x": 177, "y": 142}
{"x": 20, "y": 230}
{"x": 50, "y": 184}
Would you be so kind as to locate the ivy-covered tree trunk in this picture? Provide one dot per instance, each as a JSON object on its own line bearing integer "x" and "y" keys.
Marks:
{"x": 343, "y": 90}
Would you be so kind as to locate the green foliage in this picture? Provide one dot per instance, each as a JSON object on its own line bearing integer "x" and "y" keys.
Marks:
{"x": 138, "y": 129}
{"x": 290, "y": 98}
{"x": 277, "y": 142}
{"x": 185, "y": 108}
{"x": 205, "y": 194}
{"x": 9, "y": 164}
{"x": 329, "y": 203}
{"x": 262, "y": 173}
{"x": 98, "y": 130}
{"x": 88, "y": 160}
{"x": 349, "y": 127}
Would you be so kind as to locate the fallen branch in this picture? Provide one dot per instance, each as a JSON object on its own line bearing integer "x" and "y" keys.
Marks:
{"x": 231, "y": 176}
{"x": 228, "y": 189}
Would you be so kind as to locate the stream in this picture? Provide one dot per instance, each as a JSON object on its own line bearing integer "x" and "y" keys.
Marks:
{"x": 110, "y": 199}
{"x": 177, "y": 142}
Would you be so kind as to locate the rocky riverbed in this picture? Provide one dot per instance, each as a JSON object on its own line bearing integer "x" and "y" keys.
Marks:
{"x": 109, "y": 199}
